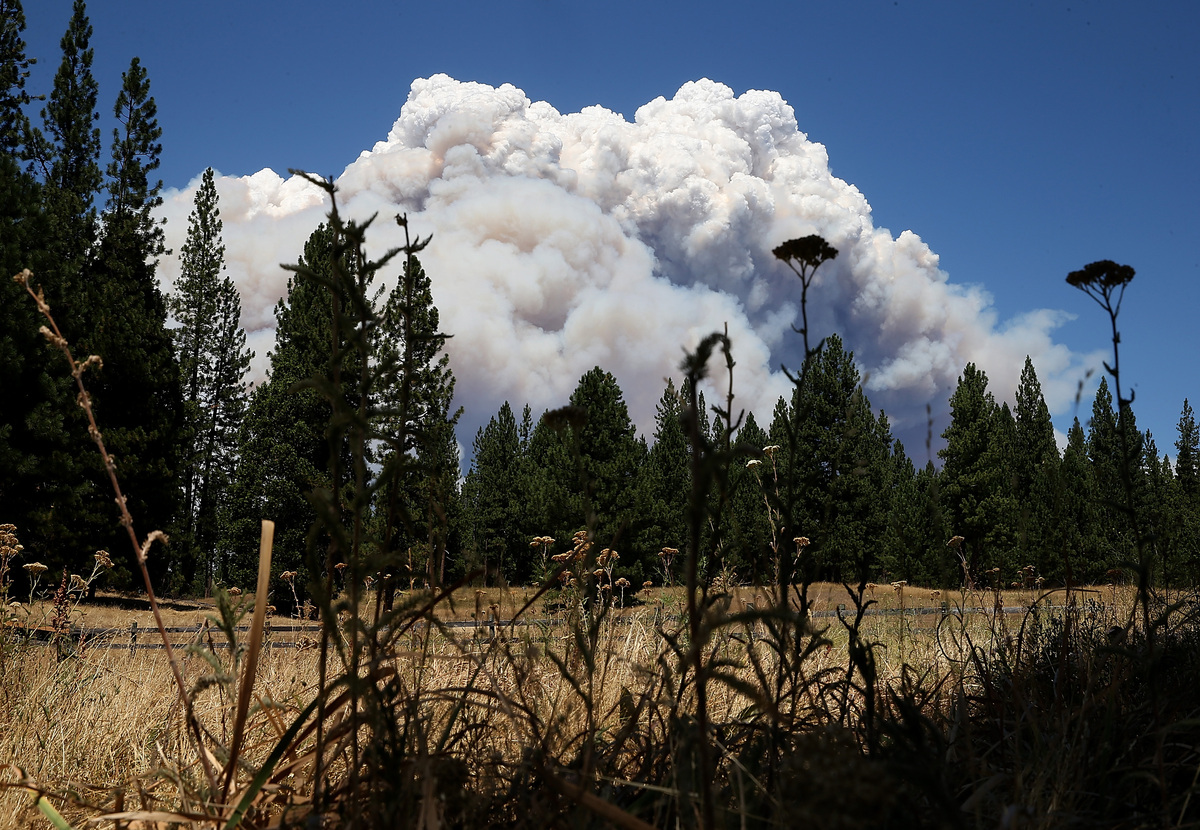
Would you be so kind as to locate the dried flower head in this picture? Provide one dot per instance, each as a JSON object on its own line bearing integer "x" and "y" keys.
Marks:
{"x": 103, "y": 559}
{"x": 955, "y": 542}
{"x": 1104, "y": 274}
{"x": 36, "y": 568}
{"x": 810, "y": 251}
{"x": 235, "y": 591}
{"x": 155, "y": 536}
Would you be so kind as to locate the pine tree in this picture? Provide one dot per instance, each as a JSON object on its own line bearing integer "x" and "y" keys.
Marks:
{"x": 1115, "y": 540}
{"x": 40, "y": 488}
{"x": 665, "y": 480}
{"x": 611, "y": 455}
{"x": 47, "y": 224}
{"x": 906, "y": 543}
{"x": 1001, "y": 505}
{"x": 748, "y": 533}
{"x": 554, "y": 494}
{"x": 838, "y": 466}
{"x": 66, "y": 158}
{"x": 493, "y": 490}
{"x": 969, "y": 478}
{"x": 423, "y": 496}
{"x": 1035, "y": 470}
{"x": 213, "y": 362}
{"x": 1187, "y": 453}
{"x": 136, "y": 394}
{"x": 14, "y": 69}
{"x": 283, "y": 453}
{"x": 1077, "y": 514}
{"x": 1155, "y": 509}
{"x": 1185, "y": 498}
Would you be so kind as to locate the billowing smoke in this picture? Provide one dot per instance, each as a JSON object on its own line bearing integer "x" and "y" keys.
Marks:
{"x": 562, "y": 242}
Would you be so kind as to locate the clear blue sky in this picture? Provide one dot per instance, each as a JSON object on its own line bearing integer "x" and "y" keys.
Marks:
{"x": 1019, "y": 140}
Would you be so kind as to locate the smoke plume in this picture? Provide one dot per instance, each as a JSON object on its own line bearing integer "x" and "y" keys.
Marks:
{"x": 562, "y": 242}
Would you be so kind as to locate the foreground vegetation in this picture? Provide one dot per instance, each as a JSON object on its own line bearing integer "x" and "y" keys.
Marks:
{"x": 1046, "y": 718}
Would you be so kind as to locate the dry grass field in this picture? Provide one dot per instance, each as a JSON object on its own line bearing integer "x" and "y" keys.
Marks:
{"x": 104, "y": 726}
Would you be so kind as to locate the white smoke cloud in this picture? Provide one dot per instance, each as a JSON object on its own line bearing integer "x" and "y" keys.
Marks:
{"x": 561, "y": 242}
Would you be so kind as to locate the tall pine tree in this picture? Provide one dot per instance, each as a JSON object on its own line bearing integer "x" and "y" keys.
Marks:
{"x": 971, "y": 479}
{"x": 1112, "y": 457}
{"x": 136, "y": 393}
{"x": 1185, "y": 510}
{"x": 1035, "y": 470}
{"x": 282, "y": 450}
{"x": 423, "y": 497}
{"x": 40, "y": 485}
{"x": 492, "y": 497}
{"x": 611, "y": 454}
{"x": 66, "y": 158}
{"x": 213, "y": 363}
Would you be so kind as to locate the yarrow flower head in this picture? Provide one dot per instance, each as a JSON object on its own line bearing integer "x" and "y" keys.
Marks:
{"x": 1102, "y": 274}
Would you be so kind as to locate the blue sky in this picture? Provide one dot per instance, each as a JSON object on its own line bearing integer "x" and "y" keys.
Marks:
{"x": 1020, "y": 141}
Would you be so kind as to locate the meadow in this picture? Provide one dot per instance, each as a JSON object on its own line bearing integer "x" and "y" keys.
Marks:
{"x": 905, "y": 716}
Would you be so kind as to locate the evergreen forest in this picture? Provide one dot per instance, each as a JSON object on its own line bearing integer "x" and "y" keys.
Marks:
{"x": 204, "y": 455}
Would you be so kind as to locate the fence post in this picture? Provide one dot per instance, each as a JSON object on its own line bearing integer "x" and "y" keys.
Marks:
{"x": 132, "y": 636}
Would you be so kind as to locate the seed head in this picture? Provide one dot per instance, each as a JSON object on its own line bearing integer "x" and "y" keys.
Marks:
{"x": 1102, "y": 274}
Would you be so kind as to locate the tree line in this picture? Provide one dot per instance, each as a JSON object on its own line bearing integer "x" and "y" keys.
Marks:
{"x": 205, "y": 457}
{"x": 828, "y": 467}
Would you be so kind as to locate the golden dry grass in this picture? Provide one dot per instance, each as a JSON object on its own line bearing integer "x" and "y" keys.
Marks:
{"x": 105, "y": 719}
{"x": 108, "y": 717}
